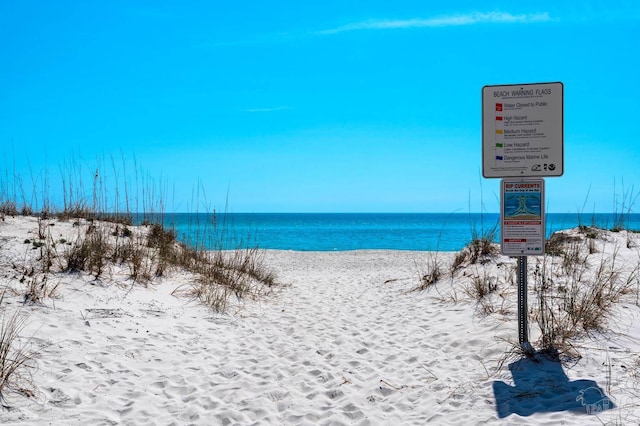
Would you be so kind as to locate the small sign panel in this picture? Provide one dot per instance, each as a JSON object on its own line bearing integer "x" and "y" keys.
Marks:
{"x": 522, "y": 217}
{"x": 523, "y": 130}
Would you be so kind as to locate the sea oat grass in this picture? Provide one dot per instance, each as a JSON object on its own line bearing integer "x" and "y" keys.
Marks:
{"x": 8, "y": 208}
{"x": 106, "y": 239}
{"x": 482, "y": 284}
{"x": 431, "y": 274}
{"x": 577, "y": 293}
{"x": 17, "y": 361}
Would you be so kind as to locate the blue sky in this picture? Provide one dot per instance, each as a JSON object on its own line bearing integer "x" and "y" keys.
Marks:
{"x": 300, "y": 106}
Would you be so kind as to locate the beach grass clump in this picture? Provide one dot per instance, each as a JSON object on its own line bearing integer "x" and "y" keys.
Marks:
{"x": 578, "y": 284}
{"x": 623, "y": 206}
{"x": 8, "y": 208}
{"x": 577, "y": 292}
{"x": 591, "y": 232}
{"x": 483, "y": 287}
{"x": 211, "y": 294}
{"x": 104, "y": 207}
{"x": 556, "y": 244}
{"x": 163, "y": 241}
{"x": 480, "y": 250}
{"x": 17, "y": 360}
{"x": 224, "y": 265}
{"x": 151, "y": 250}
{"x": 458, "y": 262}
{"x": 91, "y": 251}
{"x": 160, "y": 238}
{"x": 38, "y": 288}
{"x": 223, "y": 273}
{"x": 573, "y": 261}
{"x": 106, "y": 243}
{"x": 476, "y": 255}
{"x": 431, "y": 275}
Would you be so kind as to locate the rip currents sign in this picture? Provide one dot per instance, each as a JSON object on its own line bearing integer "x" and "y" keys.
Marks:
{"x": 522, "y": 217}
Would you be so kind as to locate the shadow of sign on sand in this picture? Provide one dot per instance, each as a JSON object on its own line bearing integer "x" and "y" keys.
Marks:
{"x": 542, "y": 386}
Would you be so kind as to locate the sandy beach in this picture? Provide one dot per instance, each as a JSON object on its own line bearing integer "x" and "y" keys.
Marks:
{"x": 294, "y": 213}
{"x": 342, "y": 340}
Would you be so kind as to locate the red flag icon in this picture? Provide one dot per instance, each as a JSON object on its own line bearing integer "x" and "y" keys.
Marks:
{"x": 498, "y": 107}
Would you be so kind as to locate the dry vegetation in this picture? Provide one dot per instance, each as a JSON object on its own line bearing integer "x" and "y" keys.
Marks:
{"x": 17, "y": 359}
{"x": 107, "y": 246}
{"x": 108, "y": 252}
{"x": 104, "y": 249}
{"x": 576, "y": 285}
{"x": 579, "y": 285}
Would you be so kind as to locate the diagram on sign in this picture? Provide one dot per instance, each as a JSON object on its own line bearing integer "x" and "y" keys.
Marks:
{"x": 522, "y": 206}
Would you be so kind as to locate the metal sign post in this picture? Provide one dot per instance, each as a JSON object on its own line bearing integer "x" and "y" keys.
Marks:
{"x": 522, "y": 137}
{"x": 523, "y": 326}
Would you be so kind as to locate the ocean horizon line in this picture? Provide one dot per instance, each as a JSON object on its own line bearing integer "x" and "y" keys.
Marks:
{"x": 364, "y": 231}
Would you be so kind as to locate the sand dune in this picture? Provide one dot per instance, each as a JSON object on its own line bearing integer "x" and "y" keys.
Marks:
{"x": 343, "y": 340}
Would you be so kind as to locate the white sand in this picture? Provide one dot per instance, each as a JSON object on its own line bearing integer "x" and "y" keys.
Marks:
{"x": 344, "y": 342}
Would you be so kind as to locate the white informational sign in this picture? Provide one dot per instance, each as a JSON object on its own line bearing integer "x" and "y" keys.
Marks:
{"x": 522, "y": 217}
{"x": 523, "y": 130}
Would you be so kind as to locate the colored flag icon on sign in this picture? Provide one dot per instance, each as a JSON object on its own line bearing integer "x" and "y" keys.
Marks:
{"x": 498, "y": 107}
{"x": 498, "y": 117}
{"x": 498, "y": 157}
{"x": 499, "y": 131}
{"x": 498, "y": 145}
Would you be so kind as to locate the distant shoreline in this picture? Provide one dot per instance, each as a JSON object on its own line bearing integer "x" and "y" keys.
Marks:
{"x": 442, "y": 232}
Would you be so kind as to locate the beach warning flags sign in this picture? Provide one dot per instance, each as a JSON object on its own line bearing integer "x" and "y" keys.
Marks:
{"x": 528, "y": 120}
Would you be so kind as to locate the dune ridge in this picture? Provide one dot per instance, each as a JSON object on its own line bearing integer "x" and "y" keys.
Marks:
{"x": 342, "y": 340}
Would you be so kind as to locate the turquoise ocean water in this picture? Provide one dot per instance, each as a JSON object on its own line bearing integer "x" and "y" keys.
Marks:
{"x": 357, "y": 231}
